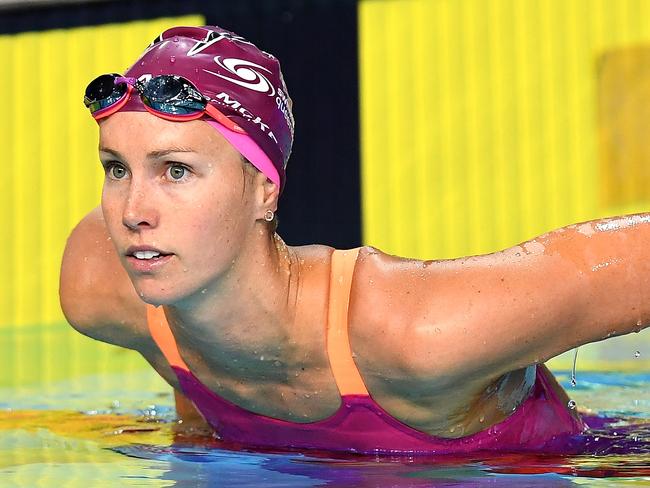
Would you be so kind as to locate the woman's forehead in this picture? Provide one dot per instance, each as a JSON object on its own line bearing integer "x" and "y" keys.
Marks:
{"x": 144, "y": 130}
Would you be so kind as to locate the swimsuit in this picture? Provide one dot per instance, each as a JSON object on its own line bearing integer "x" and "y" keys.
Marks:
{"x": 541, "y": 423}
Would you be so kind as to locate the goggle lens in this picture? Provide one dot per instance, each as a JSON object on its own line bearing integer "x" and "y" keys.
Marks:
{"x": 103, "y": 92}
{"x": 171, "y": 95}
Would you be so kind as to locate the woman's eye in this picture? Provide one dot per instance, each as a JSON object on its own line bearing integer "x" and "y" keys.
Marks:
{"x": 177, "y": 172}
{"x": 116, "y": 171}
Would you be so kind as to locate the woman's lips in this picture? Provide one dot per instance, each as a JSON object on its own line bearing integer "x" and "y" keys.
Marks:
{"x": 146, "y": 258}
{"x": 148, "y": 265}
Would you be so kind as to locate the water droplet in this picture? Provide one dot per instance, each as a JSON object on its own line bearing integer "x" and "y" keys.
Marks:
{"x": 261, "y": 358}
{"x": 573, "y": 370}
{"x": 571, "y": 404}
{"x": 307, "y": 395}
{"x": 481, "y": 419}
{"x": 172, "y": 59}
{"x": 438, "y": 330}
{"x": 175, "y": 39}
{"x": 637, "y": 354}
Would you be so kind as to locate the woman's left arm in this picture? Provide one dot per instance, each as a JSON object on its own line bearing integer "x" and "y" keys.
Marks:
{"x": 491, "y": 314}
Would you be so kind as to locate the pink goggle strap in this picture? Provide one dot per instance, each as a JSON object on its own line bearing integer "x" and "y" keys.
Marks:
{"x": 248, "y": 148}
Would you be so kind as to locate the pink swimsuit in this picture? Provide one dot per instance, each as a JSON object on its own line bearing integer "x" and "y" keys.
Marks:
{"x": 541, "y": 423}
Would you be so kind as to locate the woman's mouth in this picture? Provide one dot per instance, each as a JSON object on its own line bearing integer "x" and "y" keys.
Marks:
{"x": 146, "y": 254}
{"x": 146, "y": 259}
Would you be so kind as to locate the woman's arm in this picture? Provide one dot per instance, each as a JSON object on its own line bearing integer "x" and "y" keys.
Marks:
{"x": 99, "y": 301}
{"x": 187, "y": 413}
{"x": 97, "y": 297}
{"x": 487, "y": 315}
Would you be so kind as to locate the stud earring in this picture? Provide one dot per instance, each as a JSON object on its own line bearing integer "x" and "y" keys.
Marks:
{"x": 268, "y": 215}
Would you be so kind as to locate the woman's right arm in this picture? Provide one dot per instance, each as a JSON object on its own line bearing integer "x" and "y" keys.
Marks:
{"x": 99, "y": 301}
{"x": 96, "y": 294}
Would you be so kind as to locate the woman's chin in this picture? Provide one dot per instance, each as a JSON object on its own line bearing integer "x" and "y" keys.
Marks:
{"x": 157, "y": 295}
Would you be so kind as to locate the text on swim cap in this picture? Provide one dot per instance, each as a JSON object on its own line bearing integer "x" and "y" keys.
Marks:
{"x": 247, "y": 114}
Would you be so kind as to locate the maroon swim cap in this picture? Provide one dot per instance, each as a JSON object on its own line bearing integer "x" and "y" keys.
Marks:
{"x": 243, "y": 82}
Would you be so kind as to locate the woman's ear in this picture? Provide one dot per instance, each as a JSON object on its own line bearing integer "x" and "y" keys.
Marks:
{"x": 268, "y": 194}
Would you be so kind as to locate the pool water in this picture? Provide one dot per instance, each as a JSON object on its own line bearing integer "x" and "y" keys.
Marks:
{"x": 120, "y": 435}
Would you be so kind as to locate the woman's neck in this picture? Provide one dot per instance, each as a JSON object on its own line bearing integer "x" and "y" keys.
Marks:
{"x": 254, "y": 300}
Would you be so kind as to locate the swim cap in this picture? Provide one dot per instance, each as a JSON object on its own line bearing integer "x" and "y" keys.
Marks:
{"x": 242, "y": 82}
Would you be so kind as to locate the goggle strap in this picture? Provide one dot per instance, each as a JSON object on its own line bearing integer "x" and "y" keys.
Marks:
{"x": 212, "y": 111}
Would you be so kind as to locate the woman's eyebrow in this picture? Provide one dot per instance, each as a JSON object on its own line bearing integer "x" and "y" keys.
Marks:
{"x": 165, "y": 152}
{"x": 110, "y": 151}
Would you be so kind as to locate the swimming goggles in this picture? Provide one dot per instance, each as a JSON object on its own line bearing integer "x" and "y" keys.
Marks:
{"x": 170, "y": 97}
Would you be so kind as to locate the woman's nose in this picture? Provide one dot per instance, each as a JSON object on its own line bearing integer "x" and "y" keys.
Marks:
{"x": 139, "y": 211}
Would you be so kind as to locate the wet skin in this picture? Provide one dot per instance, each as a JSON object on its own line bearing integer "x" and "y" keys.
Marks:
{"x": 443, "y": 346}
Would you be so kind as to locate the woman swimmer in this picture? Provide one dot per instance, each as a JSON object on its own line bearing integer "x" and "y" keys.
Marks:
{"x": 182, "y": 264}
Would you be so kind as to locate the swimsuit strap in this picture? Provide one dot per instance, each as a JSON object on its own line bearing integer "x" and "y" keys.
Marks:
{"x": 347, "y": 377}
{"x": 163, "y": 337}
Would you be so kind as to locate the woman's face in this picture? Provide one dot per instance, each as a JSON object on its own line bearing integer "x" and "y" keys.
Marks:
{"x": 177, "y": 202}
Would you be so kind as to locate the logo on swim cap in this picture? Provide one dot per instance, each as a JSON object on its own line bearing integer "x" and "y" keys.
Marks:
{"x": 210, "y": 38}
{"x": 247, "y": 77}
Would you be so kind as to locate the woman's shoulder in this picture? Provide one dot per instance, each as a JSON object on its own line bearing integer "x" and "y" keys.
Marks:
{"x": 383, "y": 281}
{"x": 399, "y": 308}
{"x": 96, "y": 294}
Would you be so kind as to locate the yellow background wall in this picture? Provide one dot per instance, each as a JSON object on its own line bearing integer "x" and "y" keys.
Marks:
{"x": 51, "y": 179}
{"x": 484, "y": 123}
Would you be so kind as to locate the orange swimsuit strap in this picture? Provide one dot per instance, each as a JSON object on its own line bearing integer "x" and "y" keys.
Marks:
{"x": 344, "y": 369}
